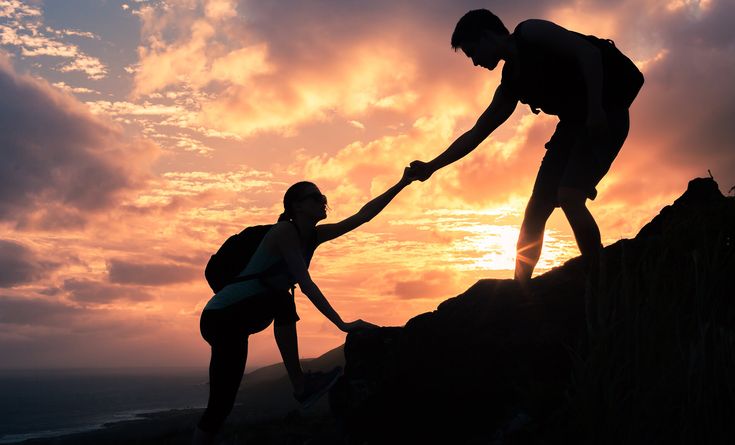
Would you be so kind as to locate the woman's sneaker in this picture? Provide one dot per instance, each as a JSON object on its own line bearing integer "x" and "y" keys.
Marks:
{"x": 316, "y": 384}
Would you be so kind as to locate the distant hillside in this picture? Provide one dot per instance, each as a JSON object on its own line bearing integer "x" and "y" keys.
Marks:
{"x": 646, "y": 358}
{"x": 326, "y": 361}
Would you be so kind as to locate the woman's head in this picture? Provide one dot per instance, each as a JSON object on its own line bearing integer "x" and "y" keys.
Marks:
{"x": 304, "y": 198}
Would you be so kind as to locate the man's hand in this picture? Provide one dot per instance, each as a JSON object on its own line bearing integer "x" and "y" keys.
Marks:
{"x": 420, "y": 170}
{"x": 408, "y": 177}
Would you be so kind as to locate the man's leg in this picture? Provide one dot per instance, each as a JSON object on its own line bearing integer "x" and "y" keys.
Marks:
{"x": 288, "y": 345}
{"x": 531, "y": 237}
{"x": 588, "y": 239}
{"x": 589, "y": 160}
{"x": 586, "y": 232}
{"x": 543, "y": 201}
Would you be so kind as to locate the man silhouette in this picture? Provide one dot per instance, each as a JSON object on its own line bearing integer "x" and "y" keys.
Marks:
{"x": 583, "y": 80}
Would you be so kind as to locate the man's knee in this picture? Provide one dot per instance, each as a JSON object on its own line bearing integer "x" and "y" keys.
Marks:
{"x": 571, "y": 199}
{"x": 539, "y": 208}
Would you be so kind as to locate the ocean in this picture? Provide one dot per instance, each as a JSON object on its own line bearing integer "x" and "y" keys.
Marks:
{"x": 39, "y": 404}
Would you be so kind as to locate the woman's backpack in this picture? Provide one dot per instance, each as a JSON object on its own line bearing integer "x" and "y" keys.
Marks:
{"x": 232, "y": 257}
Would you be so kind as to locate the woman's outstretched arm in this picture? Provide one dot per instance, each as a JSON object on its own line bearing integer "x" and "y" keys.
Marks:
{"x": 288, "y": 244}
{"x": 326, "y": 232}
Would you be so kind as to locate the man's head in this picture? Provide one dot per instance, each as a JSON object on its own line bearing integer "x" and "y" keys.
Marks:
{"x": 477, "y": 34}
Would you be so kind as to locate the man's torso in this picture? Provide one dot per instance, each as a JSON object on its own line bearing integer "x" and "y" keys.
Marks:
{"x": 553, "y": 83}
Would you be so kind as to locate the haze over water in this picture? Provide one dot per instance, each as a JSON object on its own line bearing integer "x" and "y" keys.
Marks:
{"x": 38, "y": 404}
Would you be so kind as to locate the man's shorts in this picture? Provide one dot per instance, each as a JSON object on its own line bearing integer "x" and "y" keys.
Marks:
{"x": 573, "y": 160}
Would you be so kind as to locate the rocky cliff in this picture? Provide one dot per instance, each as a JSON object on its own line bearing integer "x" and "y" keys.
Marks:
{"x": 648, "y": 356}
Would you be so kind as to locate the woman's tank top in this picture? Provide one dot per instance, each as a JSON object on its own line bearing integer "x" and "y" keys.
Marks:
{"x": 261, "y": 260}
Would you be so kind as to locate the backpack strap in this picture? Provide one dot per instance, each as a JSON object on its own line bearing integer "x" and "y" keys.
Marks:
{"x": 273, "y": 269}
{"x": 310, "y": 246}
{"x": 312, "y": 242}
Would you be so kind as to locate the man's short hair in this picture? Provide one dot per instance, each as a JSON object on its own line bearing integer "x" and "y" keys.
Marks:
{"x": 473, "y": 24}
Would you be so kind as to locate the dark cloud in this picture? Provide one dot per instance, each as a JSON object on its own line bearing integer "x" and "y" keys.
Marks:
{"x": 327, "y": 24}
{"x": 60, "y": 163}
{"x": 688, "y": 100}
{"x": 320, "y": 30}
{"x": 20, "y": 265}
{"x": 151, "y": 274}
{"x": 88, "y": 291}
{"x": 37, "y": 333}
{"x": 29, "y": 311}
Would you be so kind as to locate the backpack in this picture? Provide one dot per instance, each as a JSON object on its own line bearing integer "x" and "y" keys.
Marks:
{"x": 622, "y": 78}
{"x": 235, "y": 254}
{"x": 232, "y": 257}
{"x": 628, "y": 79}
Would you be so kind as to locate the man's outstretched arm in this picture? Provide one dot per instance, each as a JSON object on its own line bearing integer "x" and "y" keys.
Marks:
{"x": 499, "y": 111}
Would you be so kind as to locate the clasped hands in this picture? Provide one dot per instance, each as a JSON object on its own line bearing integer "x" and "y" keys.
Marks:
{"x": 417, "y": 171}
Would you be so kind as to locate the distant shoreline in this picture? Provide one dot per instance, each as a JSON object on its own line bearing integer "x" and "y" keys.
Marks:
{"x": 264, "y": 397}
{"x": 41, "y": 404}
{"x": 118, "y": 422}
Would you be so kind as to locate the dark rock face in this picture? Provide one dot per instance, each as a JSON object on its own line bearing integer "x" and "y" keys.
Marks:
{"x": 567, "y": 363}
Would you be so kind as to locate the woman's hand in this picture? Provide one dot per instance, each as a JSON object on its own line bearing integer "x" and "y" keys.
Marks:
{"x": 357, "y": 325}
{"x": 419, "y": 170}
{"x": 409, "y": 175}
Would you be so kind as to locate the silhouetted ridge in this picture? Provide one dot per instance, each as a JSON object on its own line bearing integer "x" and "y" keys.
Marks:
{"x": 652, "y": 362}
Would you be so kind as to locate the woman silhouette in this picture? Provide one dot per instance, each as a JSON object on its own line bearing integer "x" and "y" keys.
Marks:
{"x": 247, "y": 307}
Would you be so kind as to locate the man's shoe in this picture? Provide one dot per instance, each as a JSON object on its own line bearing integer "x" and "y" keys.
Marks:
{"x": 316, "y": 384}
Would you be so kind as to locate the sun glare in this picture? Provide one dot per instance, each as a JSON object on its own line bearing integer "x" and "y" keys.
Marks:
{"x": 493, "y": 247}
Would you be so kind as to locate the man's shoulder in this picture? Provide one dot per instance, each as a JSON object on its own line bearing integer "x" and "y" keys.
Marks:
{"x": 530, "y": 22}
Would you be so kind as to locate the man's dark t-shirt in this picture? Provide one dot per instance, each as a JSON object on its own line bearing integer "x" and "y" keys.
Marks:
{"x": 553, "y": 83}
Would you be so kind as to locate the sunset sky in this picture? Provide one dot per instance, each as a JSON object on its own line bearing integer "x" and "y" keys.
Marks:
{"x": 137, "y": 135}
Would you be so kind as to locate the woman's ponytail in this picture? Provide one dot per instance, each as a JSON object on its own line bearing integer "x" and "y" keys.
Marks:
{"x": 284, "y": 217}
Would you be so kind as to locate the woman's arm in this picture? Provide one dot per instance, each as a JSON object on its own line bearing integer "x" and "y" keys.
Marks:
{"x": 288, "y": 245}
{"x": 315, "y": 295}
{"x": 326, "y": 232}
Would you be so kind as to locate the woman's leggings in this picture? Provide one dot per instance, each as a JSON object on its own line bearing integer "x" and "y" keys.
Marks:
{"x": 227, "y": 331}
